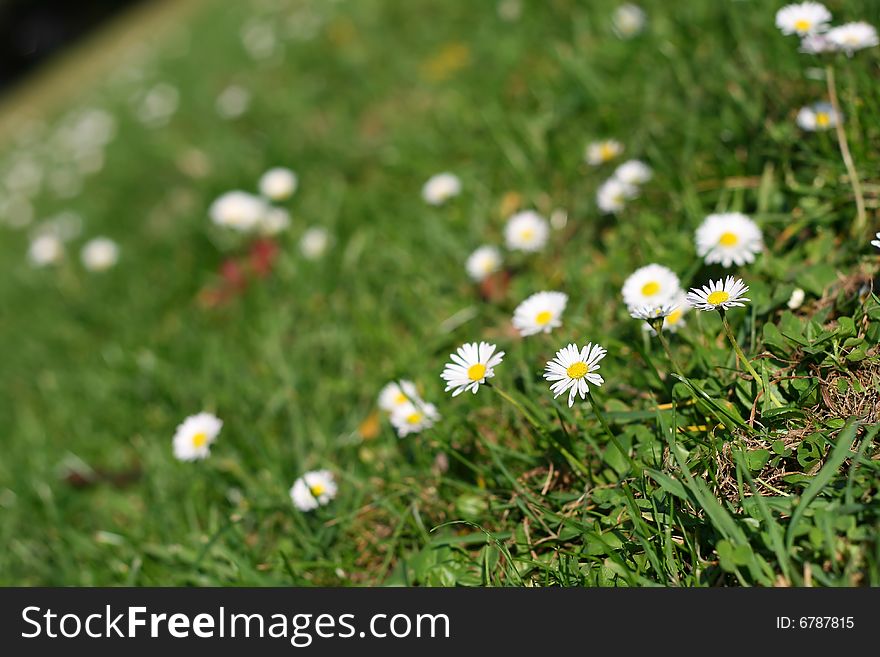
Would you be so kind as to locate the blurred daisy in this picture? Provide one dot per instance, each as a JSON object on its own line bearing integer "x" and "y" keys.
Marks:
{"x": 526, "y": 231}
{"x": 628, "y": 20}
{"x": 441, "y": 188}
{"x": 486, "y": 260}
{"x": 574, "y": 370}
{"x": 396, "y": 394}
{"x": 314, "y": 242}
{"x": 719, "y": 295}
{"x": 674, "y": 320}
{"x": 157, "y": 105}
{"x": 803, "y": 18}
{"x": 650, "y": 285}
{"x": 46, "y": 249}
{"x": 238, "y": 210}
{"x": 818, "y": 116}
{"x": 194, "y": 436}
{"x": 853, "y": 36}
{"x": 99, "y": 254}
{"x": 540, "y": 313}
{"x": 274, "y": 221}
{"x": 728, "y": 238}
{"x": 413, "y": 417}
{"x": 816, "y": 44}
{"x": 471, "y": 365}
{"x": 796, "y": 299}
{"x": 876, "y": 242}
{"x": 599, "y": 152}
{"x": 233, "y": 101}
{"x": 278, "y": 184}
{"x": 313, "y": 489}
{"x": 652, "y": 312}
{"x": 612, "y": 195}
{"x": 633, "y": 172}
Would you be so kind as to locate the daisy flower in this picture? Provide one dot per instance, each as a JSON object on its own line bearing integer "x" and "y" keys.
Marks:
{"x": 526, "y": 231}
{"x": 628, "y": 20}
{"x": 876, "y": 242}
{"x": 46, "y": 249}
{"x": 818, "y": 116}
{"x": 194, "y": 436}
{"x": 278, "y": 184}
{"x": 719, "y": 295}
{"x": 612, "y": 195}
{"x": 803, "y": 18}
{"x": 574, "y": 369}
{"x": 540, "y": 313}
{"x": 729, "y": 238}
{"x": 853, "y": 36}
{"x": 232, "y": 102}
{"x": 314, "y": 243}
{"x": 471, "y": 365}
{"x": 413, "y": 417}
{"x": 484, "y": 261}
{"x": 633, "y": 172}
{"x": 816, "y": 44}
{"x": 796, "y": 299}
{"x": 99, "y": 254}
{"x": 238, "y": 210}
{"x": 651, "y": 284}
{"x": 396, "y": 394}
{"x": 274, "y": 221}
{"x": 600, "y": 152}
{"x": 440, "y": 188}
{"x": 652, "y": 311}
{"x": 674, "y": 320}
{"x": 313, "y": 489}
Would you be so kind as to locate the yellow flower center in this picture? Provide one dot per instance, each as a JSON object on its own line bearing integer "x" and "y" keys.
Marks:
{"x": 717, "y": 297}
{"x": 476, "y": 372}
{"x": 802, "y": 25}
{"x": 543, "y": 317}
{"x": 527, "y": 234}
{"x": 400, "y": 399}
{"x": 606, "y": 151}
{"x": 577, "y": 370}
{"x": 200, "y": 439}
{"x": 414, "y": 418}
{"x": 822, "y": 119}
{"x": 728, "y": 239}
{"x": 674, "y": 316}
{"x": 650, "y": 289}
{"x": 317, "y": 490}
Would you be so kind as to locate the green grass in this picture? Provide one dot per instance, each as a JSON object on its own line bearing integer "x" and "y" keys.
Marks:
{"x": 97, "y": 370}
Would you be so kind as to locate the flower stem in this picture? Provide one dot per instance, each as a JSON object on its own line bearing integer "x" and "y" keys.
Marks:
{"x": 637, "y": 469}
{"x": 739, "y": 352}
{"x": 665, "y": 343}
{"x": 852, "y": 173}
{"x": 517, "y": 405}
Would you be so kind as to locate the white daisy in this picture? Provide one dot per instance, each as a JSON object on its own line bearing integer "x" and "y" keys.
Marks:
{"x": 816, "y": 44}
{"x": 853, "y": 36}
{"x": 484, "y": 261}
{"x": 612, "y": 195}
{"x": 803, "y": 18}
{"x": 238, "y": 210}
{"x": 652, "y": 311}
{"x": 651, "y": 284}
{"x": 540, "y": 313}
{"x": 274, "y": 220}
{"x": 99, "y": 254}
{"x": 471, "y": 365}
{"x": 396, "y": 394}
{"x": 729, "y": 238}
{"x": 45, "y": 249}
{"x": 633, "y": 172}
{"x": 600, "y": 152}
{"x": 573, "y": 370}
{"x": 628, "y": 20}
{"x": 796, "y": 299}
{"x": 313, "y": 489}
{"x": 818, "y": 116}
{"x": 721, "y": 294}
{"x": 526, "y": 231}
{"x": 194, "y": 436}
{"x": 314, "y": 242}
{"x": 278, "y": 184}
{"x": 232, "y": 102}
{"x": 440, "y": 188}
{"x": 413, "y": 417}
{"x": 674, "y": 320}
{"x": 876, "y": 242}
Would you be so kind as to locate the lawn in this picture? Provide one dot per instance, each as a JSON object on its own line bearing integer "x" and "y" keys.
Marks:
{"x": 701, "y": 476}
